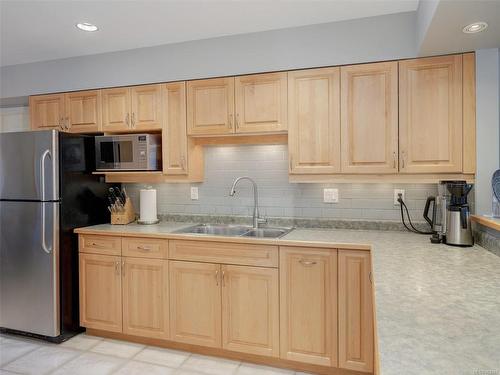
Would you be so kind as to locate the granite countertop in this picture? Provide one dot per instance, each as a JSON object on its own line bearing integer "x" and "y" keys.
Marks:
{"x": 437, "y": 306}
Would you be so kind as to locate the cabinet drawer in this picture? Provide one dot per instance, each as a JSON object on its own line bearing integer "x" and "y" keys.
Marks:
{"x": 144, "y": 247}
{"x": 226, "y": 253}
{"x": 107, "y": 245}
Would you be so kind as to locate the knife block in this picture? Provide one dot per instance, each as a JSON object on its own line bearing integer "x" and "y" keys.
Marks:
{"x": 126, "y": 216}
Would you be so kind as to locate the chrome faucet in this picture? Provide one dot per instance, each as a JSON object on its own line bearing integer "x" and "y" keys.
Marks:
{"x": 256, "y": 217}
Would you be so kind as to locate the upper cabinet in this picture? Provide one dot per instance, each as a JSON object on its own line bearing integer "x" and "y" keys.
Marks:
{"x": 83, "y": 111}
{"x": 247, "y": 104}
{"x": 430, "y": 114}
{"x": 130, "y": 109}
{"x": 210, "y": 106}
{"x": 261, "y": 103}
{"x": 47, "y": 112}
{"x": 314, "y": 121}
{"x": 369, "y": 118}
{"x": 175, "y": 140}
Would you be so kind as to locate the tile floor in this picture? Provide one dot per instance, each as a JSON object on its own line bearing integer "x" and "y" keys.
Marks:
{"x": 89, "y": 355}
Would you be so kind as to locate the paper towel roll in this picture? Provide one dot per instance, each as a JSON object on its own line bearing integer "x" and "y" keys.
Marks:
{"x": 148, "y": 212}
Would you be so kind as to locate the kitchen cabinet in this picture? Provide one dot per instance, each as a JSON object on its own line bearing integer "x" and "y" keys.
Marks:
{"x": 47, "y": 112}
{"x": 145, "y": 297}
{"x": 250, "y": 310}
{"x": 115, "y": 109}
{"x": 146, "y": 111}
{"x": 195, "y": 303}
{"x": 100, "y": 292}
{"x": 83, "y": 111}
{"x": 261, "y": 103}
{"x": 355, "y": 311}
{"x": 175, "y": 142}
{"x": 314, "y": 121}
{"x": 430, "y": 114}
{"x": 136, "y": 108}
{"x": 210, "y": 108}
{"x": 369, "y": 118}
{"x": 237, "y": 105}
{"x": 308, "y": 305}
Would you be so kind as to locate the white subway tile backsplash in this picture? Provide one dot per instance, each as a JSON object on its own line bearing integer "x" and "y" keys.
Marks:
{"x": 268, "y": 165}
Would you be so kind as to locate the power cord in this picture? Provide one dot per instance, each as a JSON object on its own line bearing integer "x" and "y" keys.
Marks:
{"x": 412, "y": 229}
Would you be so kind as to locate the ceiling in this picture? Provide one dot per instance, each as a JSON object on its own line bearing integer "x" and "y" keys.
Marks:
{"x": 45, "y": 30}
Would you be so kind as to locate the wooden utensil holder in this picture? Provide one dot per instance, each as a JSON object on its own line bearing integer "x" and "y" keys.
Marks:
{"x": 126, "y": 216}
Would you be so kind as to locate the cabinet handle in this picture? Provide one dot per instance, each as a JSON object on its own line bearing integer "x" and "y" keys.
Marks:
{"x": 230, "y": 121}
{"x": 183, "y": 162}
{"x": 217, "y": 277}
{"x": 394, "y": 160}
{"x": 402, "y": 159}
{"x": 133, "y": 120}
{"x": 147, "y": 248}
{"x": 237, "y": 121}
{"x": 291, "y": 162}
{"x": 67, "y": 123}
{"x": 370, "y": 278}
{"x": 307, "y": 262}
{"x": 123, "y": 268}
{"x": 117, "y": 268}
{"x": 96, "y": 244}
{"x": 223, "y": 278}
{"x": 61, "y": 123}
{"x": 127, "y": 119}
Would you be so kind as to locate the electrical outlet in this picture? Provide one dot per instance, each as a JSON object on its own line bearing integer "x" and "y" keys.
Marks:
{"x": 194, "y": 193}
{"x": 396, "y": 195}
{"x": 331, "y": 195}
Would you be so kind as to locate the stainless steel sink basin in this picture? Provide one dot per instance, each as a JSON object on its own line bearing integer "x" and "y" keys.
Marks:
{"x": 216, "y": 229}
{"x": 235, "y": 230}
{"x": 267, "y": 232}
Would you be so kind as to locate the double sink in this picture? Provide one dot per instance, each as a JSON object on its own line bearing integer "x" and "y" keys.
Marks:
{"x": 235, "y": 230}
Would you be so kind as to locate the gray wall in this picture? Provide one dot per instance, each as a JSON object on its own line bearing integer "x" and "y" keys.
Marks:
{"x": 355, "y": 41}
{"x": 268, "y": 165}
{"x": 488, "y": 125}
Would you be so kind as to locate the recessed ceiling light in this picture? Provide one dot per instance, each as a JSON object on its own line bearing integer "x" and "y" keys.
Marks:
{"x": 85, "y": 26}
{"x": 475, "y": 27}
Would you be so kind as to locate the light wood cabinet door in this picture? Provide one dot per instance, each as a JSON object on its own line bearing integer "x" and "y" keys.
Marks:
{"x": 430, "y": 114}
{"x": 261, "y": 103}
{"x": 175, "y": 155}
{"x": 100, "y": 292}
{"x": 47, "y": 112}
{"x": 369, "y": 118}
{"x": 116, "y": 109}
{"x": 145, "y": 297}
{"x": 146, "y": 110}
{"x": 250, "y": 310}
{"x": 308, "y": 305}
{"x": 314, "y": 121}
{"x": 355, "y": 311}
{"x": 210, "y": 106}
{"x": 83, "y": 111}
{"x": 195, "y": 303}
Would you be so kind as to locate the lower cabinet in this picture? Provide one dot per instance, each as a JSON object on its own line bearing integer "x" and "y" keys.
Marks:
{"x": 233, "y": 307}
{"x": 250, "y": 310}
{"x": 145, "y": 297}
{"x": 195, "y": 303}
{"x": 101, "y": 292}
{"x": 355, "y": 311}
{"x": 308, "y": 305}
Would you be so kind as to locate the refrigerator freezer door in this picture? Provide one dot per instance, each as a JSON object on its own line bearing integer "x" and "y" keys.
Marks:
{"x": 29, "y": 272}
{"x": 29, "y": 166}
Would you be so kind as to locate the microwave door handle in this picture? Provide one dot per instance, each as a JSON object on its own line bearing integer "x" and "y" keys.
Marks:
{"x": 42, "y": 185}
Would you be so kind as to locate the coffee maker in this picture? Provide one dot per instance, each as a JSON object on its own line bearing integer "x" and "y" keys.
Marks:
{"x": 450, "y": 218}
{"x": 458, "y": 224}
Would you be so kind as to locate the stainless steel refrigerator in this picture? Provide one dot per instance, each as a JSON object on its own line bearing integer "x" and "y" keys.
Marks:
{"x": 46, "y": 190}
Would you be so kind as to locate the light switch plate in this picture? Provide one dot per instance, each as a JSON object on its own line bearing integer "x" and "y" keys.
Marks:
{"x": 194, "y": 193}
{"x": 396, "y": 195}
{"x": 331, "y": 195}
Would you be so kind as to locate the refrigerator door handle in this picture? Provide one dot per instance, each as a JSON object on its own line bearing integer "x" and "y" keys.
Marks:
{"x": 42, "y": 185}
